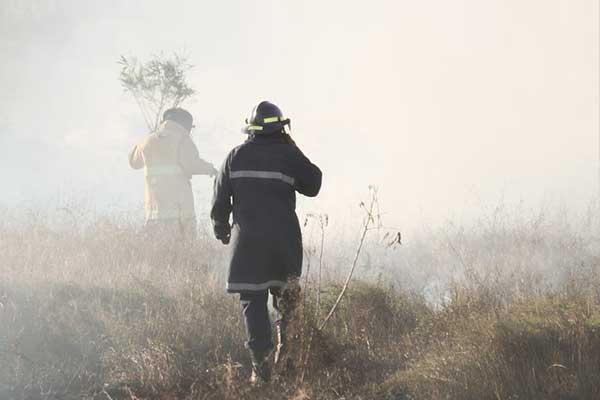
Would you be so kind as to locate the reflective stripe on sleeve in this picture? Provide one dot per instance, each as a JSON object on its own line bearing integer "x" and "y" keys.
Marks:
{"x": 255, "y": 128}
{"x": 164, "y": 170}
{"x": 262, "y": 175}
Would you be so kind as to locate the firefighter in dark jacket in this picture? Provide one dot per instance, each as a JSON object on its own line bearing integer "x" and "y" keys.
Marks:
{"x": 258, "y": 183}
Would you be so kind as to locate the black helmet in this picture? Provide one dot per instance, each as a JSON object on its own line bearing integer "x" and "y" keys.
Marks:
{"x": 265, "y": 118}
{"x": 181, "y": 116}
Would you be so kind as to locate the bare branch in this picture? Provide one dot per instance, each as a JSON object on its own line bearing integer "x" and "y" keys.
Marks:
{"x": 368, "y": 221}
{"x": 156, "y": 85}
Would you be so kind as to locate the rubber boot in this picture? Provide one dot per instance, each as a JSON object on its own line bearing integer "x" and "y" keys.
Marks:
{"x": 261, "y": 370}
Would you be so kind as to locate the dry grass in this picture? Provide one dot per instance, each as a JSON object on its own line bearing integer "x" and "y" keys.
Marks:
{"x": 90, "y": 311}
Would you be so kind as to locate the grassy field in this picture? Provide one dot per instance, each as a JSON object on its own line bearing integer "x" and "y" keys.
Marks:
{"x": 88, "y": 310}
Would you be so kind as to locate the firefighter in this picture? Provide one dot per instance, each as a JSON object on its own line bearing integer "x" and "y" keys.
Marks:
{"x": 170, "y": 158}
{"x": 258, "y": 182}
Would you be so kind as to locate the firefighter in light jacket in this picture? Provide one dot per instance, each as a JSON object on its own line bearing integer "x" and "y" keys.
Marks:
{"x": 169, "y": 158}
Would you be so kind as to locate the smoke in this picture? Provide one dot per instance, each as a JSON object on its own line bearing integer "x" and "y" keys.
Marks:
{"x": 447, "y": 107}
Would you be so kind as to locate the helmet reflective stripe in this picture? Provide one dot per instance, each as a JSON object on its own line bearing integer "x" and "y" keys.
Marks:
{"x": 272, "y": 119}
{"x": 266, "y": 118}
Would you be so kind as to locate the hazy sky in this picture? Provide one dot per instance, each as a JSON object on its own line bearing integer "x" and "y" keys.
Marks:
{"x": 445, "y": 105}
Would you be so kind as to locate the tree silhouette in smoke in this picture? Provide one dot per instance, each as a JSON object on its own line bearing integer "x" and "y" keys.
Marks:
{"x": 156, "y": 85}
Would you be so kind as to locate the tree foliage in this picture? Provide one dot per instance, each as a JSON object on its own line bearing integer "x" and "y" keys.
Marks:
{"x": 156, "y": 85}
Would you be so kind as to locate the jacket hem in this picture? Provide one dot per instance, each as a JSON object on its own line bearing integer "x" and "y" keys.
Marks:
{"x": 254, "y": 287}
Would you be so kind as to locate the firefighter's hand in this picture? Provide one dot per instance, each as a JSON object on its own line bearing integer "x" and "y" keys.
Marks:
{"x": 222, "y": 232}
{"x": 225, "y": 239}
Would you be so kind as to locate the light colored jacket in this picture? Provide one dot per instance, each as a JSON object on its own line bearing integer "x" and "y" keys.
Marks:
{"x": 169, "y": 158}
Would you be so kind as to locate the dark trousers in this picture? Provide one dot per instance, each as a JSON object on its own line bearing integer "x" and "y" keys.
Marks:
{"x": 256, "y": 319}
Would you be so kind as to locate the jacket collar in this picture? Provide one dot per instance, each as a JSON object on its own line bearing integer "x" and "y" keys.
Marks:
{"x": 266, "y": 139}
{"x": 169, "y": 127}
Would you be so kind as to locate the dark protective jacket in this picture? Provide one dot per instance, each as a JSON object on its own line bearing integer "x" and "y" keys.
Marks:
{"x": 258, "y": 182}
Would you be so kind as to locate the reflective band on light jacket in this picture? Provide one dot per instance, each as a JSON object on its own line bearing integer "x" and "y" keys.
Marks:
{"x": 255, "y": 286}
{"x": 262, "y": 175}
{"x": 164, "y": 170}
